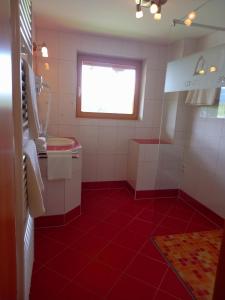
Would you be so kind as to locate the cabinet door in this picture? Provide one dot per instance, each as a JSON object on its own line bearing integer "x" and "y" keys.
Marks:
{"x": 73, "y": 186}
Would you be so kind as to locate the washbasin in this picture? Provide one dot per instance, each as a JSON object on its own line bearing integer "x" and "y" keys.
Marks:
{"x": 59, "y": 142}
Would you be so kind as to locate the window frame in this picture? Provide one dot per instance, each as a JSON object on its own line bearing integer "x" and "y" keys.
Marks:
{"x": 101, "y": 60}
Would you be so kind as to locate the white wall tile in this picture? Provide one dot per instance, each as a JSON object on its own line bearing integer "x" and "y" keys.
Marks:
{"x": 89, "y": 167}
{"x": 67, "y": 79}
{"x": 106, "y": 167}
{"x": 108, "y": 138}
{"x": 89, "y": 138}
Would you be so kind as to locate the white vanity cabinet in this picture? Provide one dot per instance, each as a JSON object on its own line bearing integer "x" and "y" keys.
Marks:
{"x": 64, "y": 195}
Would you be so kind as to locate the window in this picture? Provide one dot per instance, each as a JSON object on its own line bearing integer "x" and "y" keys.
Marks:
{"x": 108, "y": 87}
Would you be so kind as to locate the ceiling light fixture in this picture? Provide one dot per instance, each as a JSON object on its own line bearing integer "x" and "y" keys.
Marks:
{"x": 192, "y": 15}
{"x": 188, "y": 22}
{"x": 153, "y": 5}
{"x": 158, "y": 15}
{"x": 154, "y": 8}
{"x": 139, "y": 12}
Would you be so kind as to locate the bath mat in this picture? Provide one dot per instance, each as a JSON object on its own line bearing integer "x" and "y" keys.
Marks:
{"x": 194, "y": 257}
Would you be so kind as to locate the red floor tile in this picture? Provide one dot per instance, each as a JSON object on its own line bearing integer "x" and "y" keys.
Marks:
{"x": 182, "y": 212}
{"x": 163, "y": 230}
{"x": 97, "y": 211}
{"x": 118, "y": 219}
{"x": 97, "y": 278}
{"x": 46, "y": 284}
{"x": 201, "y": 221}
{"x": 69, "y": 263}
{"x": 173, "y": 286}
{"x": 151, "y": 215}
{"x": 46, "y": 248}
{"x": 130, "y": 239}
{"x": 116, "y": 256}
{"x": 165, "y": 296}
{"x": 37, "y": 266}
{"x": 132, "y": 289}
{"x": 151, "y": 251}
{"x": 105, "y": 230}
{"x": 147, "y": 269}
{"x": 66, "y": 235}
{"x": 74, "y": 291}
{"x": 141, "y": 227}
{"x": 176, "y": 225}
{"x": 131, "y": 209}
{"x": 84, "y": 223}
{"x": 163, "y": 205}
{"x": 90, "y": 244}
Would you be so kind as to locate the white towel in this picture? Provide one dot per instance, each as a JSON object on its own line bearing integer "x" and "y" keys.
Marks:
{"x": 34, "y": 181}
{"x": 41, "y": 144}
{"x": 59, "y": 165}
{"x": 203, "y": 97}
{"x": 33, "y": 119}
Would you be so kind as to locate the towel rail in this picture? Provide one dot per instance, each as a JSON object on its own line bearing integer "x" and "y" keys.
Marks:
{"x": 25, "y": 188}
{"x": 23, "y": 94}
{"x": 25, "y": 22}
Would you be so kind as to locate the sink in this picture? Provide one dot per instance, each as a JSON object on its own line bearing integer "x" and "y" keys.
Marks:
{"x": 60, "y": 142}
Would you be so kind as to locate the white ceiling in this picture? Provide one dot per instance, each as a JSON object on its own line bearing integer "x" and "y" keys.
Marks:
{"x": 117, "y": 18}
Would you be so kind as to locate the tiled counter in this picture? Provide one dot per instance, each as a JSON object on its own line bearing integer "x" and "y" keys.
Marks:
{"x": 142, "y": 163}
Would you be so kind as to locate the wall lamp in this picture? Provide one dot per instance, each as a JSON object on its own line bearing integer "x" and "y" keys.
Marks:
{"x": 42, "y": 48}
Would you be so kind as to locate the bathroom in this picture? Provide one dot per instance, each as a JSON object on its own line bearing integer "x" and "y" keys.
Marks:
{"x": 131, "y": 180}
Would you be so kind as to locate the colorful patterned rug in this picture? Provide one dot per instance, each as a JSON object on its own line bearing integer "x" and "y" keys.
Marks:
{"x": 194, "y": 257}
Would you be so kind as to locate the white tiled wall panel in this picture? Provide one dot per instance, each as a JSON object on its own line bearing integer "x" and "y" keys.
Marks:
{"x": 105, "y": 142}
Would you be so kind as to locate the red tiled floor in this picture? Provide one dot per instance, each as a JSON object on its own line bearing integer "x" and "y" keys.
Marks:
{"x": 132, "y": 289}
{"x": 74, "y": 291}
{"x": 131, "y": 209}
{"x": 130, "y": 239}
{"x": 84, "y": 223}
{"x": 165, "y": 296}
{"x": 150, "y": 215}
{"x": 183, "y": 212}
{"x": 173, "y": 286}
{"x": 105, "y": 230}
{"x": 150, "y": 250}
{"x": 107, "y": 252}
{"x": 118, "y": 219}
{"x": 116, "y": 256}
{"x": 147, "y": 269}
{"x": 47, "y": 248}
{"x": 65, "y": 235}
{"x": 90, "y": 244}
{"x": 97, "y": 278}
{"x": 163, "y": 205}
{"x": 176, "y": 225}
{"x": 46, "y": 284}
{"x": 161, "y": 230}
{"x": 141, "y": 227}
{"x": 69, "y": 263}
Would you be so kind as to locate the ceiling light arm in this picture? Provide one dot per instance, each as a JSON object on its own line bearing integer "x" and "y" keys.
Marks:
{"x": 180, "y": 22}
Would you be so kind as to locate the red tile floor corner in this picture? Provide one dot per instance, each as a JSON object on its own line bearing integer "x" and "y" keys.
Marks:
{"x": 107, "y": 252}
